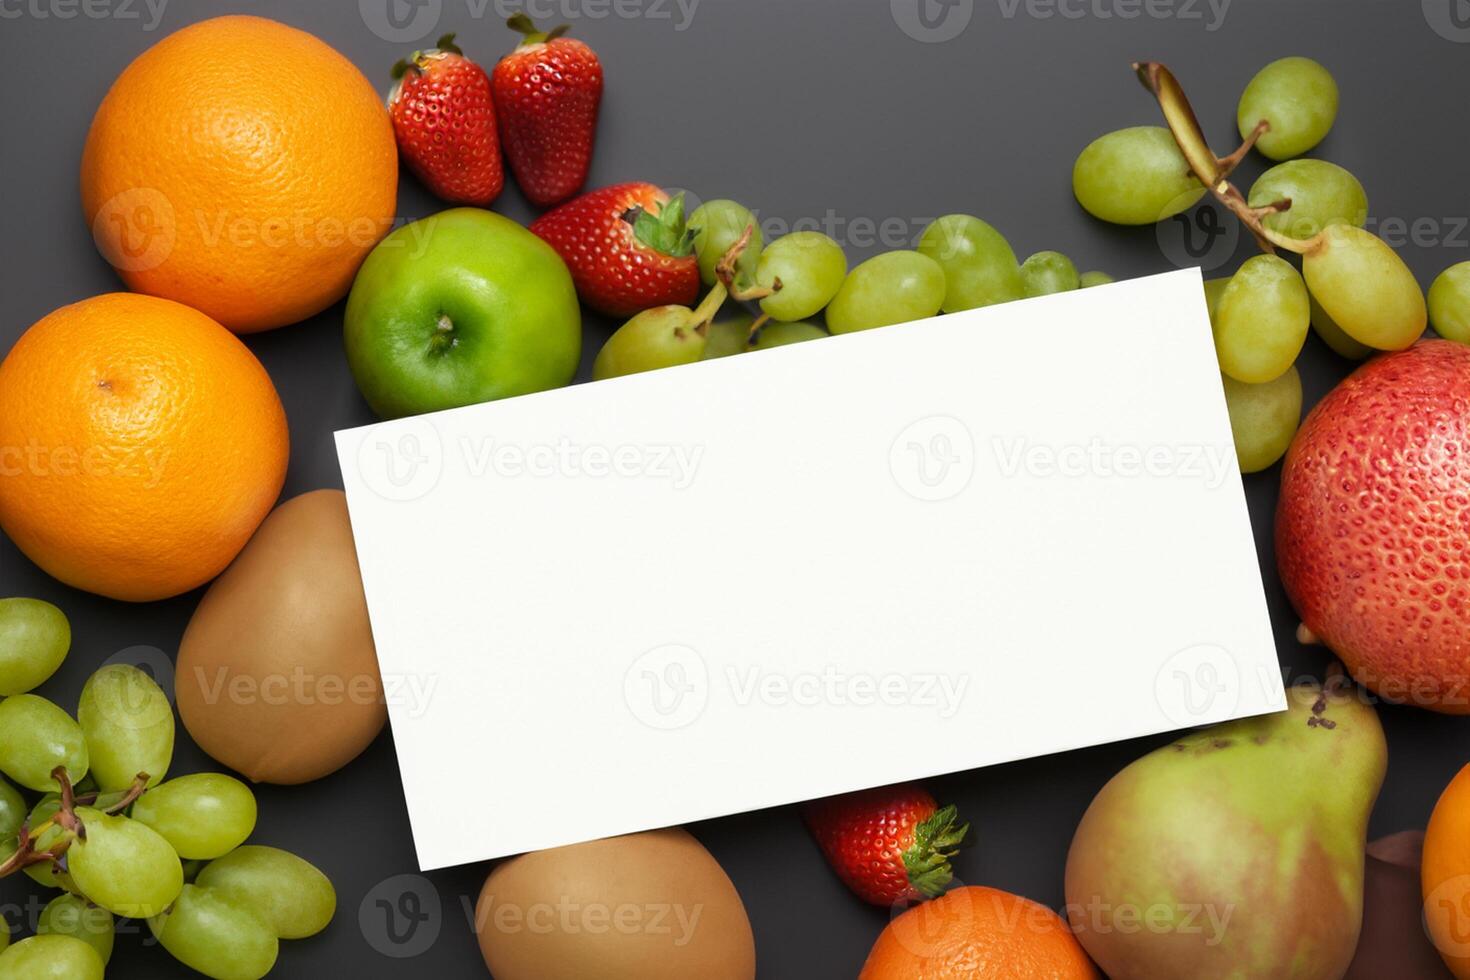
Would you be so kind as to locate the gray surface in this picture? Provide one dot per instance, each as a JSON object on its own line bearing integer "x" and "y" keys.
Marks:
{"x": 818, "y": 110}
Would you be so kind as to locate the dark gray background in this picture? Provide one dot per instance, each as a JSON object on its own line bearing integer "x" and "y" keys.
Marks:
{"x": 820, "y": 110}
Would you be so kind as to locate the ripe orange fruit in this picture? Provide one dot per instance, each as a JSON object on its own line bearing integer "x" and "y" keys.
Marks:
{"x": 1445, "y": 875}
{"x": 141, "y": 444}
{"x": 978, "y": 932}
{"x": 241, "y": 167}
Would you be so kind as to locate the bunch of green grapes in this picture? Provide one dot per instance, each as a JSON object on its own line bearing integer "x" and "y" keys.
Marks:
{"x": 113, "y": 835}
{"x": 960, "y": 263}
{"x": 1351, "y": 289}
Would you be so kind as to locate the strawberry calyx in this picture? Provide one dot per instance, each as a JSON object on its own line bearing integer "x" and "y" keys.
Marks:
{"x": 666, "y": 231}
{"x": 419, "y": 60}
{"x": 936, "y": 840}
{"x": 533, "y": 34}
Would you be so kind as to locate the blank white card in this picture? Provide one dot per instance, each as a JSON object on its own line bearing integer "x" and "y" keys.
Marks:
{"x": 772, "y": 577}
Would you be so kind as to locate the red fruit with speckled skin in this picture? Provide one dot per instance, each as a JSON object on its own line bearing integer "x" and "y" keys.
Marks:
{"x": 615, "y": 271}
{"x": 1373, "y": 525}
{"x": 890, "y": 844}
{"x": 547, "y": 94}
{"x": 444, "y": 119}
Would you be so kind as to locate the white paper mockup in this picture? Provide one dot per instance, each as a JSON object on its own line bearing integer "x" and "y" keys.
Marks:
{"x": 791, "y": 573}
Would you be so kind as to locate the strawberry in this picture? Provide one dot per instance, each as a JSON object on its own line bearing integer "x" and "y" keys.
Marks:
{"x": 547, "y": 93}
{"x": 444, "y": 118}
{"x": 890, "y": 844}
{"x": 627, "y": 247}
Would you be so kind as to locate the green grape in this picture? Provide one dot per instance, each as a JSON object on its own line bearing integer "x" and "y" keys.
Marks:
{"x": 1263, "y": 418}
{"x": 719, "y": 224}
{"x": 12, "y": 810}
{"x": 1334, "y": 336}
{"x": 129, "y": 726}
{"x": 124, "y": 866}
{"x": 1321, "y": 194}
{"x": 1449, "y": 303}
{"x": 34, "y": 639}
{"x": 1365, "y": 288}
{"x": 727, "y": 337}
{"x": 658, "y": 338}
{"x": 895, "y": 287}
{"x": 1135, "y": 176}
{"x": 1049, "y": 272}
{"x": 1094, "y": 278}
{"x": 72, "y": 915}
{"x": 810, "y": 267}
{"x": 780, "y": 334}
{"x": 203, "y": 815}
{"x": 208, "y": 932}
{"x": 1298, "y": 97}
{"x": 50, "y": 958}
{"x": 1214, "y": 289}
{"x": 288, "y": 893}
{"x": 1261, "y": 320}
{"x": 35, "y": 737}
{"x": 4, "y": 934}
{"x": 979, "y": 266}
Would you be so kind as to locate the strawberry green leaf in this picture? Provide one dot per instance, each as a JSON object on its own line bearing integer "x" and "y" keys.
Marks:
{"x": 664, "y": 232}
{"x": 446, "y": 43}
{"x": 936, "y": 840}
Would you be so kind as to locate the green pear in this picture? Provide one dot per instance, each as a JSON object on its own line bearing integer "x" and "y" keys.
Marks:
{"x": 1235, "y": 852}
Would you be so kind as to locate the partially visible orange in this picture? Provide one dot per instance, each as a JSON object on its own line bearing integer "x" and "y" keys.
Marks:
{"x": 974, "y": 932}
{"x": 1445, "y": 875}
{"x": 141, "y": 443}
{"x": 241, "y": 167}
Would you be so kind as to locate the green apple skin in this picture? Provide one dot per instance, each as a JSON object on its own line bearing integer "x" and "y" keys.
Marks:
{"x": 462, "y": 307}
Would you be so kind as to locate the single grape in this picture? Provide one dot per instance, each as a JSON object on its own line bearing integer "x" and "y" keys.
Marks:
{"x": 1261, "y": 320}
{"x": 50, "y": 958}
{"x": 894, "y": 287}
{"x": 35, "y": 737}
{"x": 727, "y": 337}
{"x": 1366, "y": 288}
{"x": 203, "y": 815}
{"x": 809, "y": 266}
{"x": 1321, "y": 194}
{"x": 1263, "y": 418}
{"x": 777, "y": 334}
{"x": 1049, "y": 272}
{"x": 124, "y": 866}
{"x": 1334, "y": 336}
{"x": 1094, "y": 278}
{"x": 12, "y": 810}
{"x": 979, "y": 266}
{"x": 1214, "y": 289}
{"x": 1135, "y": 176}
{"x": 221, "y": 939}
{"x": 1449, "y": 303}
{"x": 1298, "y": 97}
{"x": 34, "y": 639}
{"x": 4, "y": 934}
{"x": 718, "y": 224}
{"x": 129, "y": 725}
{"x": 72, "y": 915}
{"x": 288, "y": 893}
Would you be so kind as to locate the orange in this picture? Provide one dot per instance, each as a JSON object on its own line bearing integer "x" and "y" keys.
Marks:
{"x": 141, "y": 444}
{"x": 1445, "y": 875}
{"x": 241, "y": 167}
{"x": 975, "y": 932}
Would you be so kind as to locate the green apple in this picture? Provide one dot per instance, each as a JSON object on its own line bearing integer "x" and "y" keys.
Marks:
{"x": 464, "y": 306}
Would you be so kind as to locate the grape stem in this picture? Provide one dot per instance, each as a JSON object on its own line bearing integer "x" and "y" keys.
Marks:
{"x": 755, "y": 327}
{"x": 708, "y": 307}
{"x": 725, "y": 271}
{"x": 1214, "y": 171}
